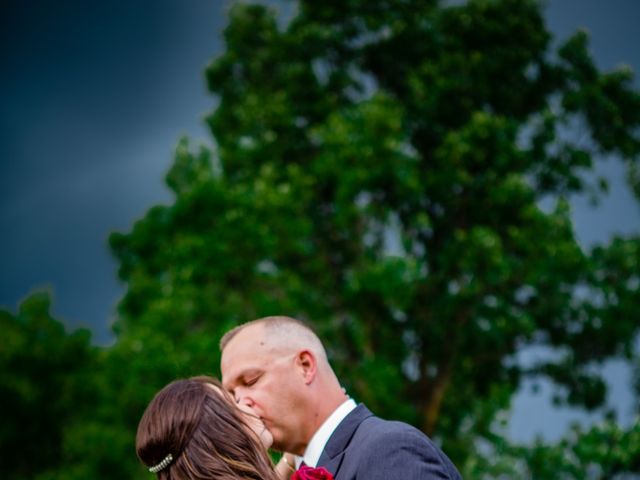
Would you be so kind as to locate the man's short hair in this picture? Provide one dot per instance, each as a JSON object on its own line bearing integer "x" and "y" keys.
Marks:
{"x": 278, "y": 325}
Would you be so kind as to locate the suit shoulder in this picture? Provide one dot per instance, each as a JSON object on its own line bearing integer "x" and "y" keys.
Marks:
{"x": 399, "y": 447}
{"x": 376, "y": 433}
{"x": 375, "y": 427}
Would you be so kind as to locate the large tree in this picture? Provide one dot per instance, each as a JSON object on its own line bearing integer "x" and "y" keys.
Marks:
{"x": 399, "y": 174}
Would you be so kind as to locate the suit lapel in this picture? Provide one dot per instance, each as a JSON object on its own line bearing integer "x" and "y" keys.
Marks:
{"x": 331, "y": 464}
{"x": 333, "y": 452}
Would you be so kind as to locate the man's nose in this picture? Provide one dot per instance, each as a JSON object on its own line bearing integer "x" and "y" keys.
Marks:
{"x": 242, "y": 398}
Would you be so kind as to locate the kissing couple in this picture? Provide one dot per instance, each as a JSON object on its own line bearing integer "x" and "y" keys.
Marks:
{"x": 278, "y": 392}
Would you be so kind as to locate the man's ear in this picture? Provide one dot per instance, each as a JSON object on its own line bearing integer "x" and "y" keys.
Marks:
{"x": 307, "y": 364}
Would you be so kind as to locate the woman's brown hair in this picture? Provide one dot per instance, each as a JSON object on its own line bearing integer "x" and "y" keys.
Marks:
{"x": 204, "y": 432}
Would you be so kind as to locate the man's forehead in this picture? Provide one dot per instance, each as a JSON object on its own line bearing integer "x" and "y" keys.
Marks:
{"x": 248, "y": 347}
{"x": 251, "y": 338}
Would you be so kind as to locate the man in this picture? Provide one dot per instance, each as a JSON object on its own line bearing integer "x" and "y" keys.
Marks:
{"x": 279, "y": 368}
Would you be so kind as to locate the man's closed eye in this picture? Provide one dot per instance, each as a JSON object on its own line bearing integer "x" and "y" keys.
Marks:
{"x": 251, "y": 381}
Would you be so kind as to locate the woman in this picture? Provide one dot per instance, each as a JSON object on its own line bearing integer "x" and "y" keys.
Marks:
{"x": 193, "y": 430}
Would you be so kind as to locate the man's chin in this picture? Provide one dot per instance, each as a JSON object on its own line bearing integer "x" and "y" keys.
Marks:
{"x": 277, "y": 446}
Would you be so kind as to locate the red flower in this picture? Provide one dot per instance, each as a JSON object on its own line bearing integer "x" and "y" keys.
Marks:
{"x": 309, "y": 473}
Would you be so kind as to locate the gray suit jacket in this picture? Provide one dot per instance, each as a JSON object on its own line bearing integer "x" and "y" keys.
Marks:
{"x": 365, "y": 447}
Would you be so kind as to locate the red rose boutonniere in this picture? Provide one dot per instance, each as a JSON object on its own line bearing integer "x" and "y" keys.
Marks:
{"x": 309, "y": 473}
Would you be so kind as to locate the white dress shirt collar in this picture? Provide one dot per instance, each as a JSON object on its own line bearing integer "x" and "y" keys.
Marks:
{"x": 322, "y": 435}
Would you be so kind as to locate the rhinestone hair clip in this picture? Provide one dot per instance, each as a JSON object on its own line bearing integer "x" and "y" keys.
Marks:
{"x": 163, "y": 464}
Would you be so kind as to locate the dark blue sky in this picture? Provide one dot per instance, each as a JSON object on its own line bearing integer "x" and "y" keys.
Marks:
{"x": 94, "y": 96}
